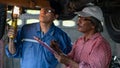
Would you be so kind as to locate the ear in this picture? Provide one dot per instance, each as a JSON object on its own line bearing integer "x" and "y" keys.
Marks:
{"x": 93, "y": 26}
{"x": 56, "y": 16}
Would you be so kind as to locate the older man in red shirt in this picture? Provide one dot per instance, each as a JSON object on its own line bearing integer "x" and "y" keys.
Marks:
{"x": 91, "y": 50}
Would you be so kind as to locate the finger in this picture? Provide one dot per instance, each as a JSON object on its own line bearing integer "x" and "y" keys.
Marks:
{"x": 11, "y": 32}
{"x": 52, "y": 44}
{"x": 56, "y": 55}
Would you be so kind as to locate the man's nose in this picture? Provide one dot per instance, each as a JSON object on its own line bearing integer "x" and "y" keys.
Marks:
{"x": 43, "y": 11}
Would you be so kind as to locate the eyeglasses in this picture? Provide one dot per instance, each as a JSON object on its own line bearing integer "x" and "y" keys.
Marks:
{"x": 47, "y": 10}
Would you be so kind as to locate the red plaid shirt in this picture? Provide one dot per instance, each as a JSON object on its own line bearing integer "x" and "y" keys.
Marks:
{"x": 93, "y": 53}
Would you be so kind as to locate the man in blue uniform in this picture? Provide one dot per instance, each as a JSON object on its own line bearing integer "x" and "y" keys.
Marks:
{"x": 31, "y": 53}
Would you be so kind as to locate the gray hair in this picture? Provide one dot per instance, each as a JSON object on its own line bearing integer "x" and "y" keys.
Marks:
{"x": 97, "y": 24}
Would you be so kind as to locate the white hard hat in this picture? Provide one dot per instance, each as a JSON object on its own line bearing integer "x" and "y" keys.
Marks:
{"x": 93, "y": 11}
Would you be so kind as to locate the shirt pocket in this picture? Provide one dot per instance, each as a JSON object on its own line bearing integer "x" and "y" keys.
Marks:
{"x": 27, "y": 50}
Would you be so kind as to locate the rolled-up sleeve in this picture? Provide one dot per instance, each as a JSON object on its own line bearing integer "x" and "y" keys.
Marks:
{"x": 15, "y": 55}
{"x": 17, "y": 42}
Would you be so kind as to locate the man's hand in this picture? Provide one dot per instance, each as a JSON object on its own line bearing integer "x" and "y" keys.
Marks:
{"x": 54, "y": 46}
{"x": 62, "y": 58}
{"x": 12, "y": 33}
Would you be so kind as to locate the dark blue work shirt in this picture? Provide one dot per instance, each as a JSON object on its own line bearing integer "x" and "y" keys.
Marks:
{"x": 34, "y": 55}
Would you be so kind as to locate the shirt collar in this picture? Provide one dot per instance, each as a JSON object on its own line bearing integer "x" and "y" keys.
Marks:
{"x": 38, "y": 27}
{"x": 94, "y": 36}
{"x": 50, "y": 31}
